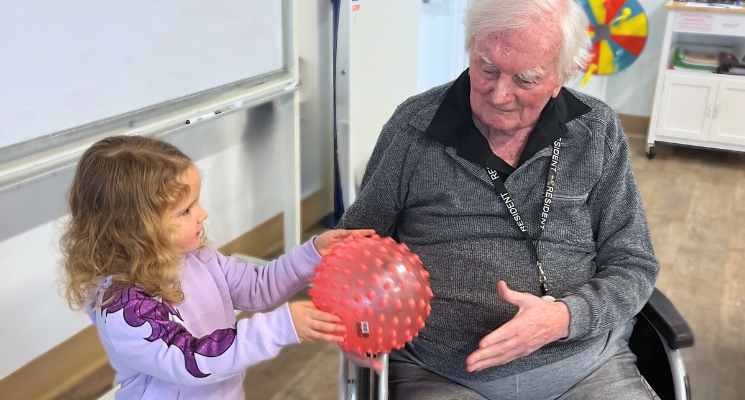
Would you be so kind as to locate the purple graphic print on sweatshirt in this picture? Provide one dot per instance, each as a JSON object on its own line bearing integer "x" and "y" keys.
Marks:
{"x": 140, "y": 307}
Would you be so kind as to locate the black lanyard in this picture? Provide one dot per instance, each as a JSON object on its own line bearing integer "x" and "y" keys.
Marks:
{"x": 545, "y": 208}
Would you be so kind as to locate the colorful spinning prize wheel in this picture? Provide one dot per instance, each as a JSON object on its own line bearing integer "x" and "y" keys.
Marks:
{"x": 618, "y": 29}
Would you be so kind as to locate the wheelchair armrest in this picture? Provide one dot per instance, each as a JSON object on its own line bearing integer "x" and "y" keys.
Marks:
{"x": 661, "y": 313}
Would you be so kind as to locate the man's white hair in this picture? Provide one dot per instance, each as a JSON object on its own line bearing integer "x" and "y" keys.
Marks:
{"x": 485, "y": 17}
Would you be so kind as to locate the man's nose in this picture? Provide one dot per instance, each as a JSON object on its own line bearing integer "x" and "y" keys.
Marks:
{"x": 502, "y": 91}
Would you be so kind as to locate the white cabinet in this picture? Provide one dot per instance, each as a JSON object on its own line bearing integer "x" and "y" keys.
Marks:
{"x": 699, "y": 108}
{"x": 728, "y": 117}
{"x": 702, "y": 108}
{"x": 687, "y": 106}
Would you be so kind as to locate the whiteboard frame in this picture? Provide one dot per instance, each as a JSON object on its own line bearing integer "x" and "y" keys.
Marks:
{"x": 27, "y": 161}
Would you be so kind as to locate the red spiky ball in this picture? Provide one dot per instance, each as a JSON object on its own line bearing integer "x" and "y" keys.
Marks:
{"x": 378, "y": 288}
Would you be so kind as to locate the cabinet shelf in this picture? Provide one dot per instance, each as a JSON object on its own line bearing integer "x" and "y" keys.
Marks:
{"x": 690, "y": 73}
{"x": 693, "y": 74}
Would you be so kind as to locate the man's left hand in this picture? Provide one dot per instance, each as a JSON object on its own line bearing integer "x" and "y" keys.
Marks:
{"x": 537, "y": 323}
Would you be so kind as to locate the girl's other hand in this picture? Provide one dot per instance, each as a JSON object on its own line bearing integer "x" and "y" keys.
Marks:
{"x": 314, "y": 325}
{"x": 330, "y": 239}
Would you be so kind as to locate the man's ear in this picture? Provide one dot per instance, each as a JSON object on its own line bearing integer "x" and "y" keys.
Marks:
{"x": 556, "y": 91}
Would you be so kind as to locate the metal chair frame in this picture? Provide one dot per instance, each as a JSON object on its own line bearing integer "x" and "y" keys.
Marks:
{"x": 658, "y": 336}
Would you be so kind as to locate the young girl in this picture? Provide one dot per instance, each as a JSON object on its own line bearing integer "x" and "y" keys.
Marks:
{"x": 163, "y": 302}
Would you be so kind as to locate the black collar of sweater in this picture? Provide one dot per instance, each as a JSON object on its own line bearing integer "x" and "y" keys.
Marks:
{"x": 453, "y": 125}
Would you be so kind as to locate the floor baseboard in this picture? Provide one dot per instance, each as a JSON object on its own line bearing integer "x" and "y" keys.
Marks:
{"x": 634, "y": 125}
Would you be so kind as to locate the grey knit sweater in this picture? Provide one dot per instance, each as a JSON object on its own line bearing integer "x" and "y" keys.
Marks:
{"x": 595, "y": 248}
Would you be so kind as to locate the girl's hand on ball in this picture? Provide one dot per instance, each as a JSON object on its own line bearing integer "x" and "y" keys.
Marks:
{"x": 314, "y": 325}
{"x": 330, "y": 239}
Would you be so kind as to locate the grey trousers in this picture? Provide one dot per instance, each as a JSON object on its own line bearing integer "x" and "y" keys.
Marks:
{"x": 608, "y": 372}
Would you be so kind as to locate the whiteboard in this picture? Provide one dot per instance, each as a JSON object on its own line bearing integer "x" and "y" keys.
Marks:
{"x": 66, "y": 63}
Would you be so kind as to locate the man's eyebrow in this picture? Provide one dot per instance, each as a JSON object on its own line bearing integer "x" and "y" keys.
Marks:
{"x": 532, "y": 74}
{"x": 529, "y": 75}
{"x": 483, "y": 57}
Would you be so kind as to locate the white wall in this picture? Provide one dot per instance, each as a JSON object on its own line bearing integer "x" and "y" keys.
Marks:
{"x": 378, "y": 52}
{"x": 315, "y": 48}
{"x": 632, "y": 91}
{"x": 240, "y": 156}
{"x": 629, "y": 92}
{"x": 442, "y": 54}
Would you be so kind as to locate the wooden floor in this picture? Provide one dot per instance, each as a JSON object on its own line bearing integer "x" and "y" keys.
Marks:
{"x": 301, "y": 371}
{"x": 307, "y": 371}
{"x": 695, "y": 202}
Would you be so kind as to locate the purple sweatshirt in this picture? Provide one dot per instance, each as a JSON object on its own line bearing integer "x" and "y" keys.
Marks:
{"x": 195, "y": 349}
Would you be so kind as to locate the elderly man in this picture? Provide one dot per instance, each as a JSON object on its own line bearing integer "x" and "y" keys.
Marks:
{"x": 519, "y": 197}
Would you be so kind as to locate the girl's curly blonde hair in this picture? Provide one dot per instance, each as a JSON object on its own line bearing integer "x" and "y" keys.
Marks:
{"x": 123, "y": 192}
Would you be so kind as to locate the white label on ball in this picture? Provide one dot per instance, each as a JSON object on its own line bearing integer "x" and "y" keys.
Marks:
{"x": 363, "y": 329}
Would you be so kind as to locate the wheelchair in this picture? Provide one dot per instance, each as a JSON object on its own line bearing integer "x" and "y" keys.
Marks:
{"x": 659, "y": 334}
